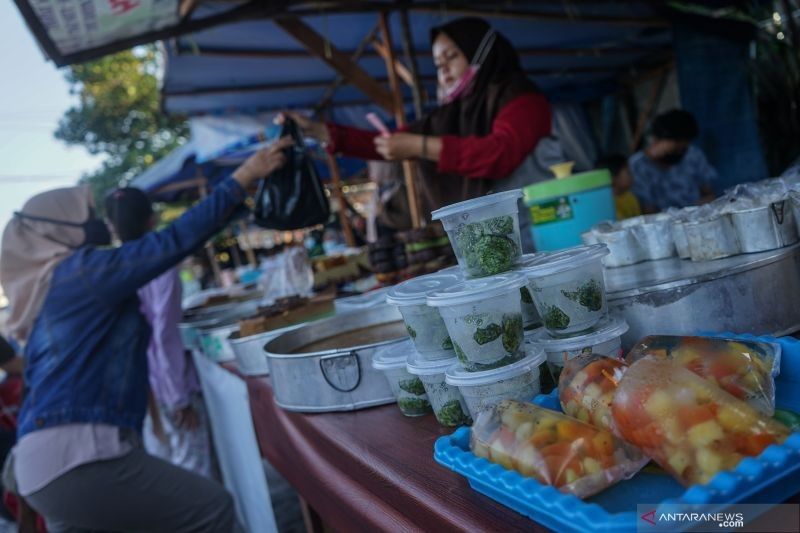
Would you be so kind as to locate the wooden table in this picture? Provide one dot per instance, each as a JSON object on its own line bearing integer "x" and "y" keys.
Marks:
{"x": 372, "y": 470}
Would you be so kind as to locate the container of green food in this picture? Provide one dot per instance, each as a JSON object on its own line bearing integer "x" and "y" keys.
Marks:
{"x": 484, "y": 320}
{"x": 484, "y": 233}
{"x": 446, "y": 400}
{"x": 530, "y": 316}
{"x": 605, "y": 338}
{"x": 406, "y": 387}
{"x": 423, "y": 323}
{"x": 569, "y": 290}
{"x": 484, "y": 390}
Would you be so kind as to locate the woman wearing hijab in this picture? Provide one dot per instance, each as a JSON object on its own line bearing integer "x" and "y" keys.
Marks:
{"x": 175, "y": 428}
{"x": 79, "y": 461}
{"x": 490, "y": 134}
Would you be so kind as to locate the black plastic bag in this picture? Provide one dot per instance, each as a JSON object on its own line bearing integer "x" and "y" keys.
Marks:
{"x": 292, "y": 197}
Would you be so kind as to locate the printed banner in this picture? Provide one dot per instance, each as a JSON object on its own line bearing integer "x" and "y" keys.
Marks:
{"x": 78, "y": 25}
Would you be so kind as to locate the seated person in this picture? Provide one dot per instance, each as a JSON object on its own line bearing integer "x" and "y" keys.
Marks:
{"x": 626, "y": 203}
{"x": 671, "y": 172}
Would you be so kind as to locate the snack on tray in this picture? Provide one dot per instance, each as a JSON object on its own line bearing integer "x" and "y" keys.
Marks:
{"x": 586, "y": 388}
{"x": 553, "y": 448}
{"x": 689, "y": 426}
{"x": 743, "y": 368}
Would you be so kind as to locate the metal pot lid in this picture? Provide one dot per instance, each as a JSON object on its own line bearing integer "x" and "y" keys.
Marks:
{"x": 565, "y": 260}
{"x": 393, "y": 355}
{"x": 472, "y": 290}
{"x": 607, "y": 329}
{"x": 415, "y": 290}
{"x": 456, "y": 375}
{"x": 476, "y": 203}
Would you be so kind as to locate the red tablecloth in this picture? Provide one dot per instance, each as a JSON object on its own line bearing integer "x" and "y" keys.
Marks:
{"x": 372, "y": 469}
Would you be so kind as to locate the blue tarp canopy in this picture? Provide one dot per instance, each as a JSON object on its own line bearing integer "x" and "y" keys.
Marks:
{"x": 574, "y": 51}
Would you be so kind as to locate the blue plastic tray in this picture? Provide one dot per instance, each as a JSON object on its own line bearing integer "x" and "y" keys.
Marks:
{"x": 772, "y": 477}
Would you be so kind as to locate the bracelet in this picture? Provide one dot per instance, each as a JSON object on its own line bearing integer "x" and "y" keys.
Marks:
{"x": 424, "y": 147}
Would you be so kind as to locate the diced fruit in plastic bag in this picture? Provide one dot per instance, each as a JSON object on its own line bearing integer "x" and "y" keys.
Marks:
{"x": 744, "y": 369}
{"x": 586, "y": 387}
{"x": 553, "y": 448}
{"x": 689, "y": 426}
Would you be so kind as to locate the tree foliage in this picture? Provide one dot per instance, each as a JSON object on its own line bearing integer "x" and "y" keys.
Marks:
{"x": 118, "y": 115}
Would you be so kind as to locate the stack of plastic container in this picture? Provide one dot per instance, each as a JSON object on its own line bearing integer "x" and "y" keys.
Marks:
{"x": 568, "y": 291}
{"x": 483, "y": 313}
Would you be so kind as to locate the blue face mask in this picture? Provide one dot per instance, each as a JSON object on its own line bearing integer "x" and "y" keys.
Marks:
{"x": 95, "y": 231}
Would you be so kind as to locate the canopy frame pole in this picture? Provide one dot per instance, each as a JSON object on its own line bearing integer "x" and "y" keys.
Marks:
{"x": 652, "y": 102}
{"x": 248, "y": 250}
{"x": 411, "y": 59}
{"x": 400, "y": 118}
{"x": 209, "y": 246}
{"x": 336, "y": 182}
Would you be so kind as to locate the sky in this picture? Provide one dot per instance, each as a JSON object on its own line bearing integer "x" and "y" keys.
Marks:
{"x": 33, "y": 96}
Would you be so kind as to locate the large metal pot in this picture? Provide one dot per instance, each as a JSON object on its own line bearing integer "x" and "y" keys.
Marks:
{"x": 327, "y": 365}
{"x": 249, "y": 351}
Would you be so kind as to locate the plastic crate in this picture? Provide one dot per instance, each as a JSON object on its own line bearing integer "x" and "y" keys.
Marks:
{"x": 772, "y": 477}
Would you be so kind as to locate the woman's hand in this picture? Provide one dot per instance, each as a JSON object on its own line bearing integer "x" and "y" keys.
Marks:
{"x": 262, "y": 163}
{"x": 310, "y": 128}
{"x": 399, "y": 146}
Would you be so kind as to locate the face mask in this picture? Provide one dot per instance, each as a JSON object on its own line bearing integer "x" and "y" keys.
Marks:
{"x": 463, "y": 85}
{"x": 673, "y": 158}
{"x": 95, "y": 231}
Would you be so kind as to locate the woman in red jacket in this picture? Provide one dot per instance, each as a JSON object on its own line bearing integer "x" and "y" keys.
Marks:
{"x": 490, "y": 133}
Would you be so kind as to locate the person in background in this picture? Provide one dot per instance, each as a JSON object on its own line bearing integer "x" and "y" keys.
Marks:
{"x": 626, "y": 203}
{"x": 79, "y": 461}
{"x": 491, "y": 133}
{"x": 671, "y": 172}
{"x": 179, "y": 411}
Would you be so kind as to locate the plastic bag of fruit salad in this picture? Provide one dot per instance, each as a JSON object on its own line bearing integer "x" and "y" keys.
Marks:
{"x": 553, "y": 448}
{"x": 689, "y": 426}
{"x": 586, "y": 387}
{"x": 746, "y": 369}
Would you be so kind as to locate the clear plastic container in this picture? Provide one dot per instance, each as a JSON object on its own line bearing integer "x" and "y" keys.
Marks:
{"x": 406, "y": 387}
{"x": 569, "y": 290}
{"x": 690, "y": 427}
{"x": 483, "y": 390}
{"x": 484, "y": 320}
{"x": 605, "y": 338}
{"x": 553, "y": 448}
{"x": 530, "y": 316}
{"x": 448, "y": 404}
{"x": 424, "y": 324}
{"x": 484, "y": 233}
{"x": 587, "y": 386}
{"x": 744, "y": 369}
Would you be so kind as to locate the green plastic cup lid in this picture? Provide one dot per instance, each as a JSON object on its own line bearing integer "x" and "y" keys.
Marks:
{"x": 423, "y": 367}
{"x": 415, "y": 290}
{"x": 569, "y": 259}
{"x": 577, "y": 183}
{"x": 478, "y": 203}
{"x": 393, "y": 355}
{"x": 607, "y": 329}
{"x": 473, "y": 290}
{"x": 457, "y": 376}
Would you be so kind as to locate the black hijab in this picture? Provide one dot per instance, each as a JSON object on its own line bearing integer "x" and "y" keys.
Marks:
{"x": 499, "y": 80}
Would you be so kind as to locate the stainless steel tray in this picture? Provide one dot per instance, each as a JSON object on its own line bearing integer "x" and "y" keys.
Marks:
{"x": 327, "y": 365}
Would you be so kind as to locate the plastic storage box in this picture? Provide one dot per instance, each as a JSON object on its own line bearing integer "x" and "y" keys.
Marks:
{"x": 772, "y": 477}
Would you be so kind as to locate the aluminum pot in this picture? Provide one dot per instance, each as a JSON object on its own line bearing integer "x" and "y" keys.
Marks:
{"x": 765, "y": 228}
{"x": 681, "y": 239}
{"x": 624, "y": 248}
{"x": 327, "y": 365}
{"x": 249, "y": 351}
{"x": 711, "y": 239}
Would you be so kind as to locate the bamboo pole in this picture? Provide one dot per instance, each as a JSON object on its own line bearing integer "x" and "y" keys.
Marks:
{"x": 411, "y": 59}
{"x": 336, "y": 181}
{"x": 652, "y": 102}
{"x": 394, "y": 83}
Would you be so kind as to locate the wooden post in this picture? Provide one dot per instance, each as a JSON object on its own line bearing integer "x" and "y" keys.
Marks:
{"x": 248, "y": 251}
{"x": 411, "y": 59}
{"x": 652, "y": 102}
{"x": 397, "y": 97}
{"x": 336, "y": 182}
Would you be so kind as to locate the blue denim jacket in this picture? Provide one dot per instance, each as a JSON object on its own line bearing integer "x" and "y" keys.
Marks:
{"x": 86, "y": 357}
